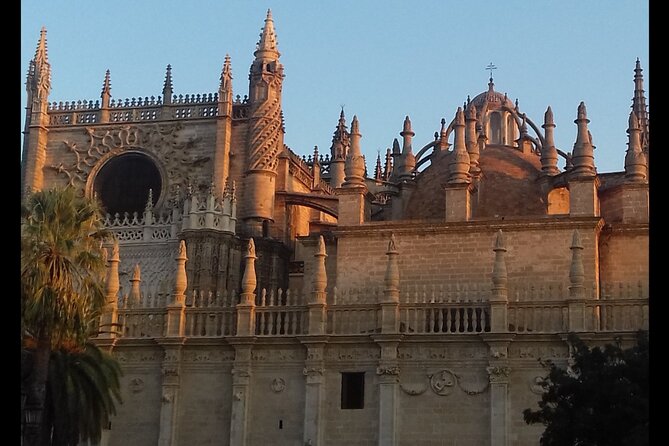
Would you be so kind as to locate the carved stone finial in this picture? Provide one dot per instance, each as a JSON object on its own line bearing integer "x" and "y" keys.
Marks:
{"x": 392, "y": 278}
{"x": 267, "y": 42}
{"x": 549, "y": 155}
{"x": 321, "y": 246}
{"x": 112, "y": 284}
{"x": 548, "y": 116}
{"x": 407, "y": 162}
{"x": 499, "y": 242}
{"x": 135, "y": 294}
{"x": 181, "y": 280}
{"x": 392, "y": 244}
{"x": 378, "y": 170}
{"x": 316, "y": 161}
{"x": 396, "y": 146}
{"x": 167, "y": 86}
{"x": 106, "y": 85}
{"x": 460, "y": 160}
{"x": 406, "y": 128}
{"x": 583, "y": 157}
{"x": 250, "y": 249}
{"x": 354, "y": 167}
{"x": 115, "y": 252}
{"x": 149, "y": 201}
{"x": 249, "y": 279}
{"x": 39, "y": 73}
{"x": 471, "y": 141}
{"x": 41, "y": 52}
{"x": 226, "y": 73}
{"x": 635, "y": 160}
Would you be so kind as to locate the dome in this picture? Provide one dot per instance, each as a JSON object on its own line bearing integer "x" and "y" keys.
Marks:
{"x": 507, "y": 189}
{"x": 495, "y": 99}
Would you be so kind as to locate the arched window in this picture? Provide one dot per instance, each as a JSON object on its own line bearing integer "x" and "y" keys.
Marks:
{"x": 495, "y": 128}
{"x": 510, "y": 130}
{"x": 123, "y": 183}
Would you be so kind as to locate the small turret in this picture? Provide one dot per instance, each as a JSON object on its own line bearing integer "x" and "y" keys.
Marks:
{"x": 460, "y": 161}
{"x": 635, "y": 159}
{"x": 470, "y": 140}
{"x": 265, "y": 131}
{"x": 338, "y": 151}
{"x": 639, "y": 106}
{"x": 355, "y": 163}
{"x": 549, "y": 155}
{"x": 407, "y": 162}
{"x": 583, "y": 154}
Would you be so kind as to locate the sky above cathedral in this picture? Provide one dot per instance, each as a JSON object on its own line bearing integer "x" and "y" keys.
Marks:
{"x": 380, "y": 60}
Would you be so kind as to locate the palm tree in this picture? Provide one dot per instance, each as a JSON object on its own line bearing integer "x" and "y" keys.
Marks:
{"x": 81, "y": 393}
{"x": 62, "y": 295}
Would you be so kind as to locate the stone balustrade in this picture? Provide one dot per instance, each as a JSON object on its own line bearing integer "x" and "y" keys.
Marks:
{"x": 617, "y": 315}
{"x": 189, "y": 106}
{"x": 285, "y": 313}
{"x": 445, "y": 318}
{"x": 135, "y": 228}
{"x": 538, "y": 317}
{"x": 280, "y": 313}
{"x": 349, "y": 319}
{"x": 452, "y": 310}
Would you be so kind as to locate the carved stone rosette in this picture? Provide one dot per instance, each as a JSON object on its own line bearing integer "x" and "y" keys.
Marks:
{"x": 278, "y": 385}
{"x": 443, "y": 382}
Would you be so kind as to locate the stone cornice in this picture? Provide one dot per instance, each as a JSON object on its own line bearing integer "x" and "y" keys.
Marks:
{"x": 384, "y": 228}
{"x": 626, "y": 228}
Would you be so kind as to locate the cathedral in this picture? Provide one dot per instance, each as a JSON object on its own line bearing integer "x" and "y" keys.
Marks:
{"x": 257, "y": 296}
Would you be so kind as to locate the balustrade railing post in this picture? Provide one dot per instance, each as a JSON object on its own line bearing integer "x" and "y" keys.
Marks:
{"x": 576, "y": 299}
{"x": 390, "y": 302}
{"x": 317, "y": 306}
{"x": 499, "y": 301}
{"x": 246, "y": 307}
{"x": 176, "y": 317}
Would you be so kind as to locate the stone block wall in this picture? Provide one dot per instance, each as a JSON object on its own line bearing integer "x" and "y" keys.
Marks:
{"x": 537, "y": 252}
{"x": 137, "y": 421}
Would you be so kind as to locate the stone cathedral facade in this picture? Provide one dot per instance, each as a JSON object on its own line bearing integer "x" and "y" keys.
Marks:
{"x": 263, "y": 297}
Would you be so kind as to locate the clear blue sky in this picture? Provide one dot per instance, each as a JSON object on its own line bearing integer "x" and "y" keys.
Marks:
{"x": 382, "y": 60}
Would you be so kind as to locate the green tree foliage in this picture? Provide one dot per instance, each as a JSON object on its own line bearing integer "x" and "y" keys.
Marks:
{"x": 62, "y": 264}
{"x": 62, "y": 297}
{"x": 81, "y": 395}
{"x": 600, "y": 400}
